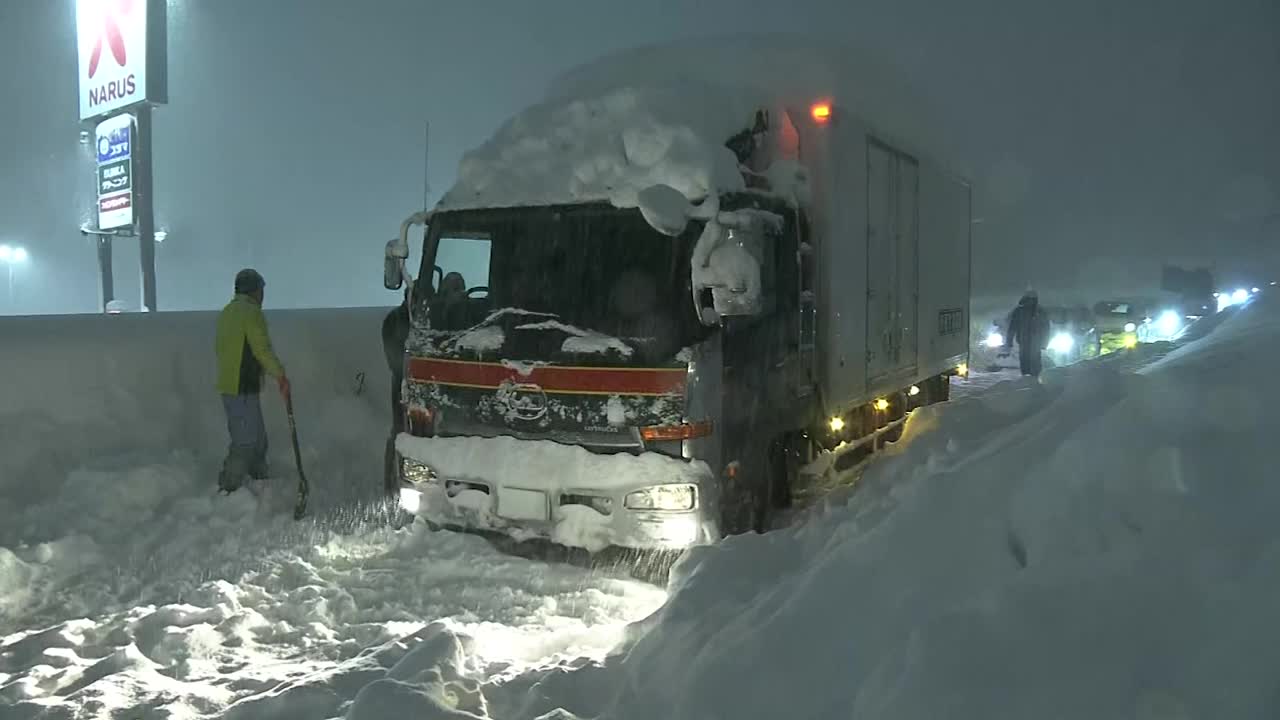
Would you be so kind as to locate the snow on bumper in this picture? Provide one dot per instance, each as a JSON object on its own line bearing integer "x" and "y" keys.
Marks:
{"x": 562, "y": 493}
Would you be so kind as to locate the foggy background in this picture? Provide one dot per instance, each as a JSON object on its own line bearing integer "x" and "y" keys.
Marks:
{"x": 1111, "y": 136}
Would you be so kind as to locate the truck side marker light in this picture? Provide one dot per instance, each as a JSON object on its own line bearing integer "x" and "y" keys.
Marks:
{"x": 683, "y": 431}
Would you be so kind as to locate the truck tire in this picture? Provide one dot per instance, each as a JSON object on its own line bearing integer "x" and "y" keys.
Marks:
{"x": 784, "y": 468}
{"x": 746, "y": 503}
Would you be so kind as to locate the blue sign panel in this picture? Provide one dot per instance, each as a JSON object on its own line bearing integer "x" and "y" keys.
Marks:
{"x": 115, "y": 144}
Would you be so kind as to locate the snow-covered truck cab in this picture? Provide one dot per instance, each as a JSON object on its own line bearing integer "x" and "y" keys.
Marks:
{"x": 649, "y": 372}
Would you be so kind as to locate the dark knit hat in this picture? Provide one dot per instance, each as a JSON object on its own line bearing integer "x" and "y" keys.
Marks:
{"x": 249, "y": 281}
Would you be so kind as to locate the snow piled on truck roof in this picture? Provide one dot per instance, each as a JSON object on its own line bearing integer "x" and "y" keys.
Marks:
{"x": 662, "y": 114}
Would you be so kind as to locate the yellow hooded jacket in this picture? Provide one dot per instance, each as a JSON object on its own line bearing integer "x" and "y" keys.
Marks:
{"x": 244, "y": 348}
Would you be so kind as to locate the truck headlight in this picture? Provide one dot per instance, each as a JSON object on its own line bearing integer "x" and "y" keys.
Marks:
{"x": 415, "y": 473}
{"x": 410, "y": 500}
{"x": 1169, "y": 323}
{"x": 662, "y": 497}
{"x": 1062, "y": 343}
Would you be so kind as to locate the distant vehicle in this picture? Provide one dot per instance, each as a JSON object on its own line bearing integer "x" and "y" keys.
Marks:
{"x": 1073, "y": 335}
{"x": 1117, "y": 324}
{"x": 1124, "y": 324}
{"x": 727, "y": 341}
{"x": 116, "y": 307}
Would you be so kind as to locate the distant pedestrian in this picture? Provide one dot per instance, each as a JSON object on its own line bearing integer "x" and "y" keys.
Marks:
{"x": 244, "y": 354}
{"x": 1029, "y": 326}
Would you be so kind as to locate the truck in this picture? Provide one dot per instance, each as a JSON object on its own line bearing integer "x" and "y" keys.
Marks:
{"x": 646, "y": 361}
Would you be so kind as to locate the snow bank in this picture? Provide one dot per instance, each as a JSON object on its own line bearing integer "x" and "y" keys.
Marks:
{"x": 81, "y": 392}
{"x": 1102, "y": 544}
{"x": 267, "y": 618}
{"x": 611, "y": 129}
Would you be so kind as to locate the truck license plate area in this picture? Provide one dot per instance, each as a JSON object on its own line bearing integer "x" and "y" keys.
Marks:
{"x": 519, "y": 504}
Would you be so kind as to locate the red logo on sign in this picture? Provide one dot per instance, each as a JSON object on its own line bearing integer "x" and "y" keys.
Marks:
{"x": 114, "y": 11}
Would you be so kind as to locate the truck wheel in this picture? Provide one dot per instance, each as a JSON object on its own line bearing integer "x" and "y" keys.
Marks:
{"x": 944, "y": 388}
{"x": 784, "y": 469}
{"x": 746, "y": 504}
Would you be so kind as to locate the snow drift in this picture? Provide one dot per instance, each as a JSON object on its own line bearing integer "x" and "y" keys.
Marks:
{"x": 83, "y": 390}
{"x": 1103, "y": 544}
{"x": 112, "y": 435}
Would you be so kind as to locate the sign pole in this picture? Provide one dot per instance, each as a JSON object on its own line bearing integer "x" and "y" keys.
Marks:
{"x": 145, "y": 208}
{"x": 104, "y": 271}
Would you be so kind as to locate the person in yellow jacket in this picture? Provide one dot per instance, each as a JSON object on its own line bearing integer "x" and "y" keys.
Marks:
{"x": 244, "y": 354}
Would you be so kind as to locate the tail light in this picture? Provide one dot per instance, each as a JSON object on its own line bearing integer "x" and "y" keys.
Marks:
{"x": 683, "y": 431}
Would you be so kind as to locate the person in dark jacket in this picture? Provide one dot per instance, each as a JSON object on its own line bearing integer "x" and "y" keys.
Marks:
{"x": 1029, "y": 326}
{"x": 244, "y": 354}
{"x": 395, "y": 332}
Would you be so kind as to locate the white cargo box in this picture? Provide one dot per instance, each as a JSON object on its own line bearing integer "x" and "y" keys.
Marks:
{"x": 891, "y": 233}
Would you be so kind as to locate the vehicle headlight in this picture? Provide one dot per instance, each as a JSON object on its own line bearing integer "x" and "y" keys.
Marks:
{"x": 1062, "y": 343}
{"x": 662, "y": 497}
{"x": 415, "y": 473}
{"x": 995, "y": 340}
{"x": 1130, "y": 327}
{"x": 1169, "y": 323}
{"x": 410, "y": 500}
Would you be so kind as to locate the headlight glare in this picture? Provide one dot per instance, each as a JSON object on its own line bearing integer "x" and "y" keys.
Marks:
{"x": 1062, "y": 343}
{"x": 663, "y": 497}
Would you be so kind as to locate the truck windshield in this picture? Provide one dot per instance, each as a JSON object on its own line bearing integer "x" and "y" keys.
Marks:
{"x": 595, "y": 268}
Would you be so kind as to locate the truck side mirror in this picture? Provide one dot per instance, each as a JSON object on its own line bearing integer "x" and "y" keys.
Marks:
{"x": 735, "y": 289}
{"x": 727, "y": 262}
{"x": 393, "y": 261}
{"x": 665, "y": 209}
{"x": 392, "y": 276}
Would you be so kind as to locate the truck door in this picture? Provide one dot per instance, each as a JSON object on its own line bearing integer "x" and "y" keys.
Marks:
{"x": 892, "y": 254}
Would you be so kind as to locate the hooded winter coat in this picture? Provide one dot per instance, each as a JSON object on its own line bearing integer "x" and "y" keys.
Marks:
{"x": 1028, "y": 325}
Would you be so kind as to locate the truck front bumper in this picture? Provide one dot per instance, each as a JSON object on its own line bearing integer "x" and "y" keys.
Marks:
{"x": 566, "y": 508}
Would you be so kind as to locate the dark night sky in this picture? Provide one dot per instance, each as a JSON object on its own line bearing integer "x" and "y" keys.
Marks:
{"x": 1106, "y": 135}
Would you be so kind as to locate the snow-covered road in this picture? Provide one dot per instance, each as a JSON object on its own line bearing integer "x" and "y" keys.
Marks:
{"x": 160, "y": 595}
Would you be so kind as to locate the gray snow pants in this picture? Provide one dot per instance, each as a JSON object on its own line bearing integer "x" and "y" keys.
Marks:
{"x": 1030, "y": 360}
{"x": 247, "y": 452}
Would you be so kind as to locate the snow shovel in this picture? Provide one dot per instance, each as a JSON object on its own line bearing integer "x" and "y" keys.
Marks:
{"x": 300, "y": 508}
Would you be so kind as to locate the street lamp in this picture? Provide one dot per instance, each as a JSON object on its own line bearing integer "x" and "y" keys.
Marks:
{"x": 12, "y": 255}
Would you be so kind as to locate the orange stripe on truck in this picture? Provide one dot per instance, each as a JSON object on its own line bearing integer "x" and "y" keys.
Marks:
{"x": 552, "y": 379}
